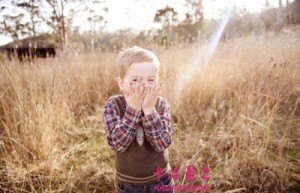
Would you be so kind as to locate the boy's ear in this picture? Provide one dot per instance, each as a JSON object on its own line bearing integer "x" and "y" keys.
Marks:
{"x": 120, "y": 83}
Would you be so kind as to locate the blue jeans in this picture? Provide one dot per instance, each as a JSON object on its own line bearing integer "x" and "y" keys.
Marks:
{"x": 163, "y": 186}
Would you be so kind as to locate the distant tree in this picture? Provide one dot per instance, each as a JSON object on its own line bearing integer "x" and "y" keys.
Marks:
{"x": 168, "y": 18}
{"x": 288, "y": 12}
{"x": 239, "y": 23}
{"x": 17, "y": 25}
{"x": 62, "y": 15}
{"x": 295, "y": 12}
{"x": 195, "y": 11}
{"x": 24, "y": 18}
{"x": 280, "y": 15}
{"x": 34, "y": 10}
{"x": 96, "y": 20}
{"x": 58, "y": 19}
{"x": 192, "y": 25}
{"x": 190, "y": 28}
{"x": 13, "y": 23}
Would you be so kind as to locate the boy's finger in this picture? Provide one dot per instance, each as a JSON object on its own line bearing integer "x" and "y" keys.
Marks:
{"x": 134, "y": 87}
{"x": 129, "y": 90}
{"x": 153, "y": 85}
{"x": 153, "y": 88}
{"x": 137, "y": 86}
{"x": 161, "y": 83}
{"x": 145, "y": 92}
{"x": 131, "y": 87}
{"x": 157, "y": 88}
{"x": 141, "y": 90}
{"x": 139, "y": 79}
{"x": 148, "y": 91}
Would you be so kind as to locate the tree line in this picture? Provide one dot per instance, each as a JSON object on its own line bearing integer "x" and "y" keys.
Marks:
{"x": 31, "y": 18}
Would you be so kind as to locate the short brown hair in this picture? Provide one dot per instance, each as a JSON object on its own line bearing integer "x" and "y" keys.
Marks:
{"x": 135, "y": 55}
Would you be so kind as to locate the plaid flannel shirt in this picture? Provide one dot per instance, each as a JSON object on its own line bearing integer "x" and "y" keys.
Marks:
{"x": 121, "y": 131}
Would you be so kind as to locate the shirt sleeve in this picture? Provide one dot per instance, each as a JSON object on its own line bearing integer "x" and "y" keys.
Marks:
{"x": 120, "y": 131}
{"x": 157, "y": 127}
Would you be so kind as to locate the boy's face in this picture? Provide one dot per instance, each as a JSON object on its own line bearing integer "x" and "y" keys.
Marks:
{"x": 139, "y": 73}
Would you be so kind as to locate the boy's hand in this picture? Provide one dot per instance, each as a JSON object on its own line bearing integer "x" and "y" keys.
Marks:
{"x": 135, "y": 95}
{"x": 150, "y": 98}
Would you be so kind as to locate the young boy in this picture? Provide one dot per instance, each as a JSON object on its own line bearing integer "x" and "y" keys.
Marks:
{"x": 138, "y": 125}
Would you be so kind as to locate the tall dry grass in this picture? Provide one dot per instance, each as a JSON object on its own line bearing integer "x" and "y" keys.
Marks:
{"x": 240, "y": 117}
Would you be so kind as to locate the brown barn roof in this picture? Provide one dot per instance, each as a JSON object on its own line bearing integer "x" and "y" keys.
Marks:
{"x": 42, "y": 41}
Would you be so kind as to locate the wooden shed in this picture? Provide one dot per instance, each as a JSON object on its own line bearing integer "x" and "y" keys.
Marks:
{"x": 43, "y": 46}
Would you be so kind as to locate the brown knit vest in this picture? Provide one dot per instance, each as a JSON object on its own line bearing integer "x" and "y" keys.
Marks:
{"x": 136, "y": 166}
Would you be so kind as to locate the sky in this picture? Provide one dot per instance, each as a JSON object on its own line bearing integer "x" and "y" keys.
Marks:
{"x": 139, "y": 14}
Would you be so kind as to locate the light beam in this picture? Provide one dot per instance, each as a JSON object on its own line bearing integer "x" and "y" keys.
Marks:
{"x": 202, "y": 59}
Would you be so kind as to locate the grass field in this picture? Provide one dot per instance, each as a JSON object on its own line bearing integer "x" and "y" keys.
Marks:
{"x": 240, "y": 117}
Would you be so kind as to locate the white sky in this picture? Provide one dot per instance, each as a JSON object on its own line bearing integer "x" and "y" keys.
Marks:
{"x": 139, "y": 14}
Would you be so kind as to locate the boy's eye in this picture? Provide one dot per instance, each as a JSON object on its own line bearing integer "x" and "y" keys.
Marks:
{"x": 134, "y": 80}
{"x": 151, "y": 80}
